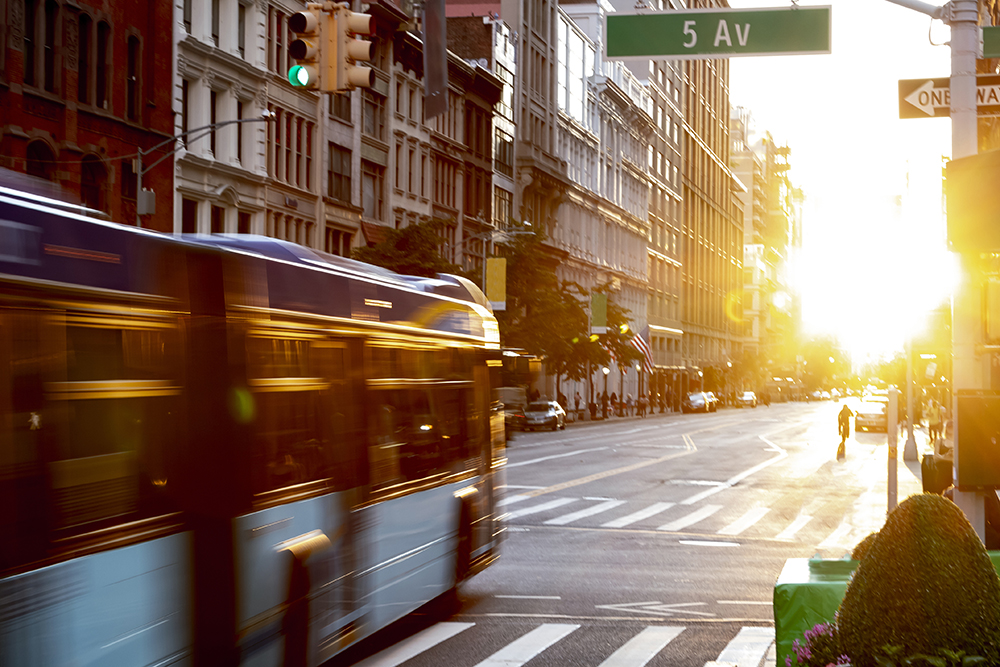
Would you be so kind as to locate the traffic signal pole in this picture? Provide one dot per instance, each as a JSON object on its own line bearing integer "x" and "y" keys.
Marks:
{"x": 969, "y": 369}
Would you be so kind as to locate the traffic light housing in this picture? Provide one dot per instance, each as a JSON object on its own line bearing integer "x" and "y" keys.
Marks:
{"x": 307, "y": 49}
{"x": 343, "y": 68}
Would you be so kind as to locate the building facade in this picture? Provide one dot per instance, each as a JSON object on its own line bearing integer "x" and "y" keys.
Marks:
{"x": 79, "y": 102}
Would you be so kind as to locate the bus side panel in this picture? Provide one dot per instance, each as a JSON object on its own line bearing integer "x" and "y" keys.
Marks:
{"x": 413, "y": 556}
{"x": 128, "y": 606}
{"x": 266, "y": 546}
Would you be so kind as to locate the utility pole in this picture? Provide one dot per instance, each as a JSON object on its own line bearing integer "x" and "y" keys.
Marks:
{"x": 969, "y": 370}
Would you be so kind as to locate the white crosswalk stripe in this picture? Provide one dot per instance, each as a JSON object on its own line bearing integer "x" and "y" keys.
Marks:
{"x": 794, "y": 527}
{"x": 543, "y": 507}
{"x": 690, "y": 519}
{"x": 645, "y": 513}
{"x": 748, "y": 647}
{"x": 527, "y": 647}
{"x": 415, "y": 645}
{"x": 745, "y": 521}
{"x": 643, "y": 647}
{"x": 590, "y": 511}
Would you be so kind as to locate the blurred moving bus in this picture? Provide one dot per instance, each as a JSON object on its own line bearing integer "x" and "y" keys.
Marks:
{"x": 229, "y": 450}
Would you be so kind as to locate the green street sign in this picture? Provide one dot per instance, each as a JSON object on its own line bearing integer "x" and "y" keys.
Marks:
{"x": 991, "y": 41}
{"x": 718, "y": 33}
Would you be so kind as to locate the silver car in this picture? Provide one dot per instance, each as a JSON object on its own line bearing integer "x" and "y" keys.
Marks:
{"x": 747, "y": 399}
{"x": 544, "y": 414}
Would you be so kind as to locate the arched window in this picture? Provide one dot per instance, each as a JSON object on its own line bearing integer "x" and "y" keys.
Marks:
{"x": 103, "y": 44}
{"x": 83, "y": 60}
{"x": 132, "y": 79}
{"x": 41, "y": 160}
{"x": 92, "y": 183}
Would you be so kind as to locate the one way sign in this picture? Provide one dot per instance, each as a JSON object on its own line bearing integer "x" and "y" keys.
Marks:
{"x": 931, "y": 98}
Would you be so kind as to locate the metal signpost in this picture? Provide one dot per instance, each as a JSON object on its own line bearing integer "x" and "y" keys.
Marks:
{"x": 717, "y": 33}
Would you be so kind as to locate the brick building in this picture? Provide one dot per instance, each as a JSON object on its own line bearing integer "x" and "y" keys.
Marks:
{"x": 81, "y": 92}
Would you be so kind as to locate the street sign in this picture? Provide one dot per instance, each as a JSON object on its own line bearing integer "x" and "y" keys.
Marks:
{"x": 717, "y": 33}
{"x": 991, "y": 41}
{"x": 931, "y": 98}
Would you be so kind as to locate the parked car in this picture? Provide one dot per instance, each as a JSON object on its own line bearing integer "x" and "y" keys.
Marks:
{"x": 871, "y": 415}
{"x": 513, "y": 419}
{"x": 747, "y": 399}
{"x": 545, "y": 414}
{"x": 713, "y": 401}
{"x": 696, "y": 401}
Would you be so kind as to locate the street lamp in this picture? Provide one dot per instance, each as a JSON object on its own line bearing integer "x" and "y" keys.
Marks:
{"x": 638, "y": 372}
{"x": 604, "y": 398}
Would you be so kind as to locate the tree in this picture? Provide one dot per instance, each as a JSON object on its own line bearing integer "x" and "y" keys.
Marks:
{"x": 413, "y": 250}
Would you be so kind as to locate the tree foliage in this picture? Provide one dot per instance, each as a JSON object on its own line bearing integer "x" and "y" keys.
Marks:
{"x": 413, "y": 250}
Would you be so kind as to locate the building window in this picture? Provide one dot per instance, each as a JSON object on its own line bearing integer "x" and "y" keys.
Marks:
{"x": 243, "y": 220}
{"x": 340, "y": 106}
{"x": 189, "y": 216}
{"x": 184, "y": 111}
{"x": 41, "y": 160}
{"x": 337, "y": 242}
{"x": 83, "y": 61}
{"x": 298, "y": 152}
{"x": 132, "y": 80}
{"x": 92, "y": 180}
{"x": 503, "y": 206}
{"x": 372, "y": 186}
{"x": 503, "y": 153}
{"x": 129, "y": 180}
{"x": 187, "y": 16}
{"x": 212, "y": 98}
{"x": 218, "y": 220}
{"x": 241, "y": 30}
{"x": 103, "y": 44}
{"x": 215, "y": 22}
{"x": 30, "y": 29}
{"x": 339, "y": 173}
{"x": 411, "y": 169}
{"x": 309, "y": 155}
{"x": 289, "y": 140}
{"x": 239, "y": 131}
{"x": 373, "y": 117}
{"x": 51, "y": 21}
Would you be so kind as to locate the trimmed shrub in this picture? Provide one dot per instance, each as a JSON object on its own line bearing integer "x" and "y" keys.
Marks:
{"x": 863, "y": 546}
{"x": 925, "y": 586}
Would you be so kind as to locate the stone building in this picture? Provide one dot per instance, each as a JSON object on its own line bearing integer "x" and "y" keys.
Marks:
{"x": 79, "y": 100}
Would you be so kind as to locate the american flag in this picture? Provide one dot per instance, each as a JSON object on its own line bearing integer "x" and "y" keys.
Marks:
{"x": 639, "y": 342}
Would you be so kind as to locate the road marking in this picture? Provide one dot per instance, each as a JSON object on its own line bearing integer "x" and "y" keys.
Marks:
{"x": 580, "y": 514}
{"x": 415, "y": 645}
{"x": 510, "y": 500}
{"x": 748, "y": 647}
{"x": 706, "y": 543}
{"x": 518, "y": 486}
{"x": 692, "y": 518}
{"x": 527, "y": 647}
{"x": 529, "y": 597}
{"x": 658, "y": 608}
{"x": 652, "y": 510}
{"x": 732, "y": 481}
{"x": 836, "y": 538}
{"x": 745, "y": 521}
{"x": 556, "y": 456}
{"x": 794, "y": 527}
{"x": 767, "y": 603}
{"x": 552, "y": 504}
{"x": 643, "y": 647}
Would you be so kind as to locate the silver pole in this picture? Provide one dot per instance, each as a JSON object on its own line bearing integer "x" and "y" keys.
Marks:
{"x": 910, "y": 448}
{"x": 892, "y": 429}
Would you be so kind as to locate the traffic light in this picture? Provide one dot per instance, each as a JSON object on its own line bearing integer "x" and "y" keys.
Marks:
{"x": 307, "y": 50}
{"x": 345, "y": 25}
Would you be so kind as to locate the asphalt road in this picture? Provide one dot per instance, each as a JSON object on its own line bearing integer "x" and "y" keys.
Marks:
{"x": 654, "y": 541}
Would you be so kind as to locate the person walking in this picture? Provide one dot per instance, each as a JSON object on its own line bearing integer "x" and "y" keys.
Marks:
{"x": 628, "y": 405}
{"x": 844, "y": 429}
{"x": 576, "y": 404}
{"x": 933, "y": 420}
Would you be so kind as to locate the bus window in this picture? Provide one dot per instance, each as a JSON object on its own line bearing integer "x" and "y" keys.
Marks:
{"x": 342, "y": 426}
{"x": 406, "y": 438}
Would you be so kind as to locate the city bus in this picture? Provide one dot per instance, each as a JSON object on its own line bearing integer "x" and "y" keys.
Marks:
{"x": 230, "y": 450}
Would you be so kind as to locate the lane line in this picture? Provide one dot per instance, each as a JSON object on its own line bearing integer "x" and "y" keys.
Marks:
{"x": 745, "y": 521}
{"x": 607, "y": 473}
{"x": 794, "y": 527}
{"x": 692, "y": 518}
{"x": 529, "y": 597}
{"x": 629, "y": 519}
{"x": 415, "y": 645}
{"x": 763, "y": 603}
{"x": 643, "y": 647}
{"x": 552, "y": 504}
{"x": 748, "y": 647}
{"x": 705, "y": 543}
{"x": 732, "y": 481}
{"x": 589, "y": 511}
{"x": 527, "y": 647}
{"x": 510, "y": 500}
{"x": 556, "y": 456}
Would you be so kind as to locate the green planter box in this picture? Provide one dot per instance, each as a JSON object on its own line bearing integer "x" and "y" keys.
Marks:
{"x": 809, "y": 592}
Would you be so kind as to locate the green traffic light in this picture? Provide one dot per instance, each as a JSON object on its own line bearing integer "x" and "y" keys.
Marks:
{"x": 298, "y": 76}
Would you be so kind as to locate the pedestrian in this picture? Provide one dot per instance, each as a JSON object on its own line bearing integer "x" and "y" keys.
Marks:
{"x": 933, "y": 420}
{"x": 614, "y": 403}
{"x": 576, "y": 404}
{"x": 844, "y": 429}
{"x": 604, "y": 405}
{"x": 628, "y": 406}
{"x": 643, "y": 404}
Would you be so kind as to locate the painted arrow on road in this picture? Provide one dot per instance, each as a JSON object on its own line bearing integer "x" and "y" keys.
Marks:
{"x": 656, "y": 608}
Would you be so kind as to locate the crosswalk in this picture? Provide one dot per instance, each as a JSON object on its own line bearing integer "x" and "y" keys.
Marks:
{"x": 749, "y": 648}
{"x": 759, "y": 521}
